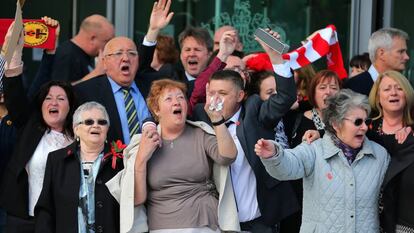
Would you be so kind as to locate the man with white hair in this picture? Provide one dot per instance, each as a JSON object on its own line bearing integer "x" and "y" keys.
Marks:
{"x": 387, "y": 49}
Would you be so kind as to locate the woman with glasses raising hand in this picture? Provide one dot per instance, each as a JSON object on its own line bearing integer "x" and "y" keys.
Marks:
{"x": 392, "y": 98}
{"x": 74, "y": 197}
{"x": 342, "y": 172}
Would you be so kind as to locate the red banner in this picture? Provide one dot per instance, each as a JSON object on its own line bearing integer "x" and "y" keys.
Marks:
{"x": 36, "y": 33}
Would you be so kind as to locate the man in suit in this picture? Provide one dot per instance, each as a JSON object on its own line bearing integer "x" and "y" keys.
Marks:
{"x": 262, "y": 200}
{"x": 387, "y": 49}
{"x": 196, "y": 48}
{"x": 117, "y": 90}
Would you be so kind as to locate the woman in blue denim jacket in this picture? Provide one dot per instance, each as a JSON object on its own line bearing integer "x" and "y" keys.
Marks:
{"x": 342, "y": 172}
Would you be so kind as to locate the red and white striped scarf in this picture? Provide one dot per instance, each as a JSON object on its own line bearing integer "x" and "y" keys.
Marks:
{"x": 324, "y": 42}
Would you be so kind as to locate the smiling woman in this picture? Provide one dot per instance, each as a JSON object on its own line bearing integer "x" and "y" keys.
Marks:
{"x": 74, "y": 192}
{"x": 44, "y": 126}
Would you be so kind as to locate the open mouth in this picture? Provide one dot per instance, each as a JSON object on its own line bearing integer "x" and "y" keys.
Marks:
{"x": 125, "y": 69}
{"x": 95, "y": 133}
{"x": 53, "y": 111}
{"x": 394, "y": 101}
{"x": 177, "y": 112}
{"x": 192, "y": 63}
{"x": 360, "y": 137}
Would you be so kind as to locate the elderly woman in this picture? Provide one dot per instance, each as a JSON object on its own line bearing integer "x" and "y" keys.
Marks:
{"x": 43, "y": 125}
{"x": 74, "y": 197}
{"x": 392, "y": 99}
{"x": 173, "y": 169}
{"x": 342, "y": 172}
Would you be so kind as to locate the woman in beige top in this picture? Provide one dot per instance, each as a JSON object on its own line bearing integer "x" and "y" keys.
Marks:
{"x": 173, "y": 171}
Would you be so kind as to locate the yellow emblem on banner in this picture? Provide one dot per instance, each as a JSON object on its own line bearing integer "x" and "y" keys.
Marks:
{"x": 36, "y": 33}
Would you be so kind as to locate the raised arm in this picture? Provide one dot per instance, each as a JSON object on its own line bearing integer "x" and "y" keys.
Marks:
{"x": 159, "y": 19}
{"x": 273, "y": 109}
{"x": 227, "y": 46}
{"x": 226, "y": 146}
{"x": 15, "y": 97}
{"x": 286, "y": 164}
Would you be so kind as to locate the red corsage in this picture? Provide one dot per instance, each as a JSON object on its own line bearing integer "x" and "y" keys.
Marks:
{"x": 116, "y": 152}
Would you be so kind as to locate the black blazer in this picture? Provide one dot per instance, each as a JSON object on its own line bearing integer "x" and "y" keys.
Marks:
{"x": 14, "y": 191}
{"x": 361, "y": 83}
{"x": 99, "y": 89}
{"x": 276, "y": 198}
{"x": 57, "y": 207}
{"x": 402, "y": 156}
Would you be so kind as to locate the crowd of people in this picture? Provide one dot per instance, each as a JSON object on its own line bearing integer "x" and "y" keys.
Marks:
{"x": 115, "y": 137}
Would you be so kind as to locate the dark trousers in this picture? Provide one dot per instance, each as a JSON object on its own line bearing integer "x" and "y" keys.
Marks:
{"x": 19, "y": 225}
{"x": 258, "y": 226}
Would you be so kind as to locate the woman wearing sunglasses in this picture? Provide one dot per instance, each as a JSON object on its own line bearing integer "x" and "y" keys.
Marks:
{"x": 74, "y": 197}
{"x": 342, "y": 172}
{"x": 392, "y": 98}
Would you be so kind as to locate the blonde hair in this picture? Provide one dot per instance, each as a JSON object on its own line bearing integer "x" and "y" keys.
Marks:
{"x": 404, "y": 84}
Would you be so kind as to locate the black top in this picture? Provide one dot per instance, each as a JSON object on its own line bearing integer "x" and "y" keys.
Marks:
{"x": 304, "y": 125}
{"x": 71, "y": 62}
{"x": 406, "y": 193}
{"x": 57, "y": 207}
{"x": 398, "y": 186}
{"x": 7, "y": 141}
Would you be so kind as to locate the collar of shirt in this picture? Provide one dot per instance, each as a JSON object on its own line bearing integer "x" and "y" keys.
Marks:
{"x": 235, "y": 117}
{"x": 189, "y": 76}
{"x": 116, "y": 87}
{"x": 373, "y": 72}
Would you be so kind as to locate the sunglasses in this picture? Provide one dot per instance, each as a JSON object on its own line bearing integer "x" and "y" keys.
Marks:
{"x": 358, "y": 122}
{"x": 90, "y": 122}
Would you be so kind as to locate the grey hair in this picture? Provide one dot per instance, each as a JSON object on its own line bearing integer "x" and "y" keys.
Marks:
{"x": 339, "y": 104}
{"x": 383, "y": 39}
{"x": 77, "y": 116}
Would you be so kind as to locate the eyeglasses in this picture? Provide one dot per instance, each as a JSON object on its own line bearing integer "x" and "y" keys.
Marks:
{"x": 358, "y": 122}
{"x": 90, "y": 122}
{"x": 118, "y": 54}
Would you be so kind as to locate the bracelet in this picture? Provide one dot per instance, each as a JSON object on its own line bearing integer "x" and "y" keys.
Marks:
{"x": 219, "y": 122}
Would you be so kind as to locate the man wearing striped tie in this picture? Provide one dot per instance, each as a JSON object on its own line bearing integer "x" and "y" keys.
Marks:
{"x": 117, "y": 90}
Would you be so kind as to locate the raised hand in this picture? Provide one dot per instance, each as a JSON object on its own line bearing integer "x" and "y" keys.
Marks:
{"x": 160, "y": 17}
{"x": 52, "y": 23}
{"x": 227, "y": 45}
{"x": 265, "y": 148}
{"x": 150, "y": 140}
{"x": 275, "y": 57}
{"x": 310, "y": 136}
{"x": 214, "y": 106}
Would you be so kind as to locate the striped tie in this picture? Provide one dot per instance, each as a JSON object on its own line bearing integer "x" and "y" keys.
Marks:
{"x": 131, "y": 112}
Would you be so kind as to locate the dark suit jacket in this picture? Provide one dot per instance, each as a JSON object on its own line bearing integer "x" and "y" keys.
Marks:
{"x": 57, "y": 208}
{"x": 361, "y": 83}
{"x": 14, "y": 191}
{"x": 99, "y": 89}
{"x": 276, "y": 199}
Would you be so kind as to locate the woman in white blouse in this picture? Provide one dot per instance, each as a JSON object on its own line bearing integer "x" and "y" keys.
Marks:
{"x": 44, "y": 125}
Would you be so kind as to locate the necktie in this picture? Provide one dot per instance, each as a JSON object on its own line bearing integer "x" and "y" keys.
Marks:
{"x": 131, "y": 112}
